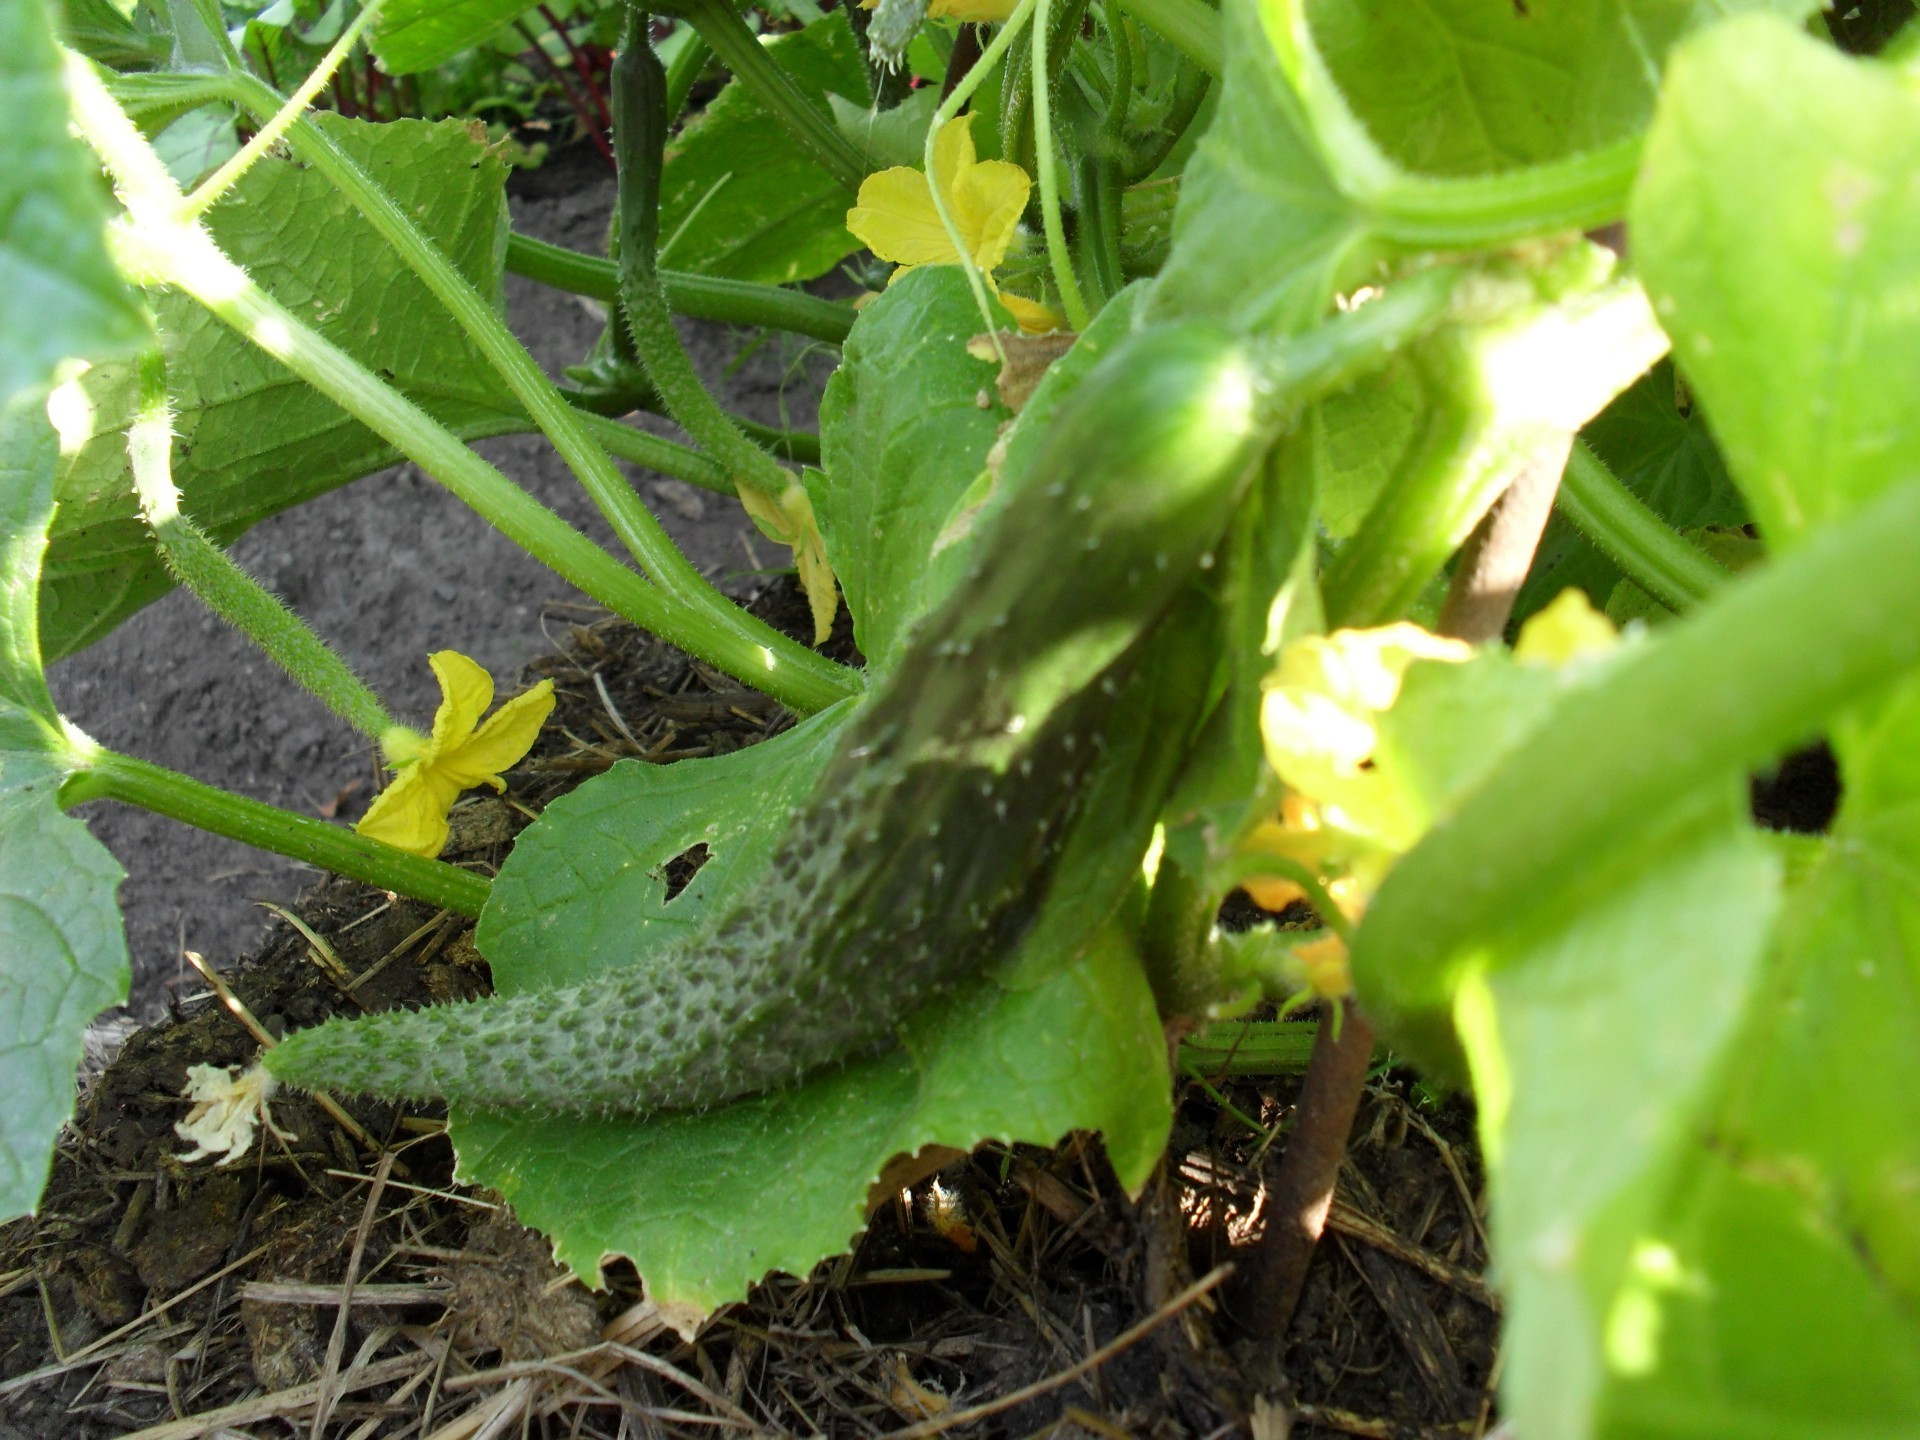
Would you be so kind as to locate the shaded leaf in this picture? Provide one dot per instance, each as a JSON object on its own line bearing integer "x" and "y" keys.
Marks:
{"x": 63, "y": 954}
{"x": 252, "y": 439}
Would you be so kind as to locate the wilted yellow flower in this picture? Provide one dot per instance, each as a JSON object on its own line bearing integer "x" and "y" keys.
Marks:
{"x": 411, "y": 813}
{"x": 226, "y": 1111}
{"x": 1567, "y": 628}
{"x": 894, "y": 215}
{"x": 789, "y": 519}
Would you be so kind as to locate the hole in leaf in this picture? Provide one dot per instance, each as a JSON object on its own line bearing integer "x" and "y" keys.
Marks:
{"x": 683, "y": 867}
{"x": 1800, "y": 794}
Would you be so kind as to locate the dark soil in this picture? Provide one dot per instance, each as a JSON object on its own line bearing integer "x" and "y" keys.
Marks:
{"x": 199, "y": 1300}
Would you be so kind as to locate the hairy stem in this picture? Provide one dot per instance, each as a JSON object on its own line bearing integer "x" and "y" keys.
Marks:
{"x": 1046, "y": 167}
{"x": 1663, "y": 564}
{"x": 105, "y": 775}
{"x": 220, "y": 584}
{"x": 1190, "y": 26}
{"x": 704, "y": 297}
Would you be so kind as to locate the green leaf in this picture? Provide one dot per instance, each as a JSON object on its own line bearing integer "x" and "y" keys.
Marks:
{"x": 740, "y": 196}
{"x": 1263, "y": 236}
{"x": 1790, "y": 1302}
{"x": 1657, "y": 442}
{"x": 1460, "y": 87}
{"x": 60, "y": 297}
{"x": 902, "y": 436}
{"x": 420, "y": 34}
{"x": 888, "y": 137}
{"x": 585, "y": 887}
{"x": 1593, "y": 1034}
{"x": 1775, "y": 223}
{"x": 63, "y": 954}
{"x": 253, "y": 440}
{"x": 706, "y": 1204}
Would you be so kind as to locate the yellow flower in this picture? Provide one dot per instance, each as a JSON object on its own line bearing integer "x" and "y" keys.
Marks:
{"x": 894, "y": 215}
{"x": 1565, "y": 629}
{"x": 789, "y": 519}
{"x": 411, "y": 813}
{"x": 1339, "y": 821}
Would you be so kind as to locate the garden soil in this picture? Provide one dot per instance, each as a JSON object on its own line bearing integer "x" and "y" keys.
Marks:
{"x": 338, "y": 1283}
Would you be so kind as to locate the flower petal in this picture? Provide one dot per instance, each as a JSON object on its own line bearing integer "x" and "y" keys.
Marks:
{"x": 411, "y": 813}
{"x": 500, "y": 743}
{"x": 466, "y": 689}
{"x": 894, "y": 217}
{"x": 1033, "y": 317}
{"x": 953, "y": 154}
{"x": 987, "y": 201}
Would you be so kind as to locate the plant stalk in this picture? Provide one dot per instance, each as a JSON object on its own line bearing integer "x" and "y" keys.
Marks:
{"x": 1190, "y": 26}
{"x": 1662, "y": 563}
{"x": 704, "y": 297}
{"x": 220, "y": 584}
{"x": 105, "y": 775}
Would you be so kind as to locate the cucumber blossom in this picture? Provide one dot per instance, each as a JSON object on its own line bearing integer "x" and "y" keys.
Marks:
{"x": 925, "y": 850}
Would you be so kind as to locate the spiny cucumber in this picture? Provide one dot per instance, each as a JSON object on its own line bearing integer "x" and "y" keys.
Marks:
{"x": 929, "y": 842}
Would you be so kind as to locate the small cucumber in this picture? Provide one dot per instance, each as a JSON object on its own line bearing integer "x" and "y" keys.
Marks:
{"x": 927, "y": 849}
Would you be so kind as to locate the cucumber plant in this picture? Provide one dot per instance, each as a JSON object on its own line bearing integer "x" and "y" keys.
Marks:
{"x": 1145, "y": 620}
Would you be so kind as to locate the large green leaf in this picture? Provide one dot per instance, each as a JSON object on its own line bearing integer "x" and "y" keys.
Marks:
{"x": 253, "y": 440}
{"x": 1776, "y": 223}
{"x": 1593, "y": 1034}
{"x": 586, "y": 888}
{"x": 420, "y": 34}
{"x": 740, "y": 196}
{"x": 706, "y": 1204}
{"x": 1457, "y": 87}
{"x": 902, "y": 437}
{"x": 60, "y": 297}
{"x": 63, "y": 954}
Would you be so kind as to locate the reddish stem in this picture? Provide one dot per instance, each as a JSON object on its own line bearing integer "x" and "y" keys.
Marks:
{"x": 1265, "y": 1290}
{"x": 582, "y": 67}
{"x": 589, "y": 122}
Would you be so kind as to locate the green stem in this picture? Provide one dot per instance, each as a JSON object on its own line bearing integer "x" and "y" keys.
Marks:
{"x": 1482, "y": 211}
{"x": 110, "y": 776}
{"x": 1249, "y": 1047}
{"x": 704, "y": 297}
{"x": 739, "y": 49}
{"x": 1190, "y": 26}
{"x": 703, "y": 614}
{"x": 1048, "y": 175}
{"x": 1766, "y": 663}
{"x": 1662, "y": 563}
{"x": 1180, "y": 911}
{"x": 638, "y": 94}
{"x": 226, "y": 589}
